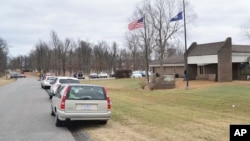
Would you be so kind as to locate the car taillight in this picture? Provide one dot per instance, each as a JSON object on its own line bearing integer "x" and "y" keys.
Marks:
{"x": 63, "y": 99}
{"x": 108, "y": 99}
{"x": 109, "y": 103}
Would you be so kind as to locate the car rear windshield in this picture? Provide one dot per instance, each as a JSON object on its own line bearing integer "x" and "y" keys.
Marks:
{"x": 63, "y": 81}
{"x": 86, "y": 93}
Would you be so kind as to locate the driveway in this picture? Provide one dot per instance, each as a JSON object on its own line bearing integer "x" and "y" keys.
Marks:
{"x": 25, "y": 114}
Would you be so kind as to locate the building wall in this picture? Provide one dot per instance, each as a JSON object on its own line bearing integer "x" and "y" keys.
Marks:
{"x": 211, "y": 69}
{"x": 180, "y": 71}
{"x": 205, "y": 59}
{"x": 240, "y": 57}
{"x": 225, "y": 62}
{"x": 192, "y": 71}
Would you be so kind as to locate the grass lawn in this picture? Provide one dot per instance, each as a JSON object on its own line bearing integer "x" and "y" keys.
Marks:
{"x": 200, "y": 113}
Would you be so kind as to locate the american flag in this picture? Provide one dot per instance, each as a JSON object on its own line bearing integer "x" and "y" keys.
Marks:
{"x": 136, "y": 24}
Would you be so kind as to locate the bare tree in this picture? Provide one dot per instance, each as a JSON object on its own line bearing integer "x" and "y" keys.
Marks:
{"x": 84, "y": 55}
{"x": 113, "y": 57}
{"x": 3, "y": 56}
{"x": 40, "y": 55}
{"x": 135, "y": 47}
{"x": 160, "y": 14}
{"x": 65, "y": 48}
{"x": 71, "y": 57}
{"x": 245, "y": 29}
{"x": 159, "y": 30}
{"x": 56, "y": 45}
{"x": 100, "y": 61}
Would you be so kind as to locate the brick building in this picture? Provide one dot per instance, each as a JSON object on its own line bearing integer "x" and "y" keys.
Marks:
{"x": 219, "y": 61}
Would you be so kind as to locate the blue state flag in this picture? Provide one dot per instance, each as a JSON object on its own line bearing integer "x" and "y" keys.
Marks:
{"x": 177, "y": 17}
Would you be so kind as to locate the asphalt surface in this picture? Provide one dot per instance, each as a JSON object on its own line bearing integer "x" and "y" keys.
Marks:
{"x": 25, "y": 114}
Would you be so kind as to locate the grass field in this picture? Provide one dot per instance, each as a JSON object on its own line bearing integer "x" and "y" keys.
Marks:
{"x": 204, "y": 112}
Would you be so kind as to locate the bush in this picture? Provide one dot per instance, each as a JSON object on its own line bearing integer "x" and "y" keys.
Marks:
{"x": 123, "y": 73}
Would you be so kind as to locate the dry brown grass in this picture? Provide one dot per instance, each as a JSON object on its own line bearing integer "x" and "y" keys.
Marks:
{"x": 4, "y": 81}
{"x": 202, "y": 113}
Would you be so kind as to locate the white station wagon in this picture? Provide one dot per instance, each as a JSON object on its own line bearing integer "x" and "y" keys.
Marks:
{"x": 80, "y": 102}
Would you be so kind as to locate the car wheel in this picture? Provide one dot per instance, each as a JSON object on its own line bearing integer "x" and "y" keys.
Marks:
{"x": 52, "y": 112}
{"x": 103, "y": 122}
{"x": 58, "y": 122}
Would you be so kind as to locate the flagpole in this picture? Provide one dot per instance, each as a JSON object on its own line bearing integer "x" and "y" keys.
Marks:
{"x": 185, "y": 36}
{"x": 146, "y": 47}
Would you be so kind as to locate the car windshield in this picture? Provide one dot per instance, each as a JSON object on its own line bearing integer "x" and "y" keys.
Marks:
{"x": 86, "y": 93}
{"x": 62, "y": 81}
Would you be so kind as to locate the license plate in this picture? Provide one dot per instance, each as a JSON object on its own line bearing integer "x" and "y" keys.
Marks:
{"x": 89, "y": 107}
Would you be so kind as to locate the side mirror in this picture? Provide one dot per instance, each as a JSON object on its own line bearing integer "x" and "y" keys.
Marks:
{"x": 52, "y": 94}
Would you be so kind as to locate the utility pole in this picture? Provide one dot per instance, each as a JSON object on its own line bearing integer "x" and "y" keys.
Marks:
{"x": 146, "y": 48}
{"x": 185, "y": 36}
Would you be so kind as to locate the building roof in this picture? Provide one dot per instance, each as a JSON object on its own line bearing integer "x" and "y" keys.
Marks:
{"x": 213, "y": 48}
{"x": 241, "y": 48}
{"x": 176, "y": 59}
{"x": 206, "y": 49}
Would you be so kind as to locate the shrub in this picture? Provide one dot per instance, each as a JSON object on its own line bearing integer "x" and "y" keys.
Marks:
{"x": 123, "y": 73}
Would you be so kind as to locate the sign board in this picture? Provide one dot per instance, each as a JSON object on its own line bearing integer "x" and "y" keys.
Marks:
{"x": 168, "y": 79}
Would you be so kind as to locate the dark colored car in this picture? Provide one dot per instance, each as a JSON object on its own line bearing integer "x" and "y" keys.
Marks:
{"x": 79, "y": 75}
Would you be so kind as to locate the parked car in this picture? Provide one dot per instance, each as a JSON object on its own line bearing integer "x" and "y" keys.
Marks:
{"x": 103, "y": 75}
{"x": 61, "y": 80}
{"x": 80, "y": 102}
{"x": 79, "y": 75}
{"x": 93, "y": 75}
{"x": 46, "y": 82}
{"x": 144, "y": 73}
{"x": 17, "y": 75}
{"x": 136, "y": 74}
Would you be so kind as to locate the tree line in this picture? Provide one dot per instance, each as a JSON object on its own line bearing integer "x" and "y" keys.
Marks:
{"x": 61, "y": 56}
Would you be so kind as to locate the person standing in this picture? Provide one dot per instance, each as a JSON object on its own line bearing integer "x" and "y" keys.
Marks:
{"x": 185, "y": 75}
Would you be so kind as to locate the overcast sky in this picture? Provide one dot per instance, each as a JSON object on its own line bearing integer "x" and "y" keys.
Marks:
{"x": 25, "y": 22}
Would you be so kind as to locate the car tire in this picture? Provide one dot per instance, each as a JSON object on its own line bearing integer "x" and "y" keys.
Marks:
{"x": 103, "y": 122}
{"x": 52, "y": 112}
{"x": 58, "y": 122}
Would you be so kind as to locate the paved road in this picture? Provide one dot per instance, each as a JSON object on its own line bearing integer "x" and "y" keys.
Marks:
{"x": 25, "y": 114}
